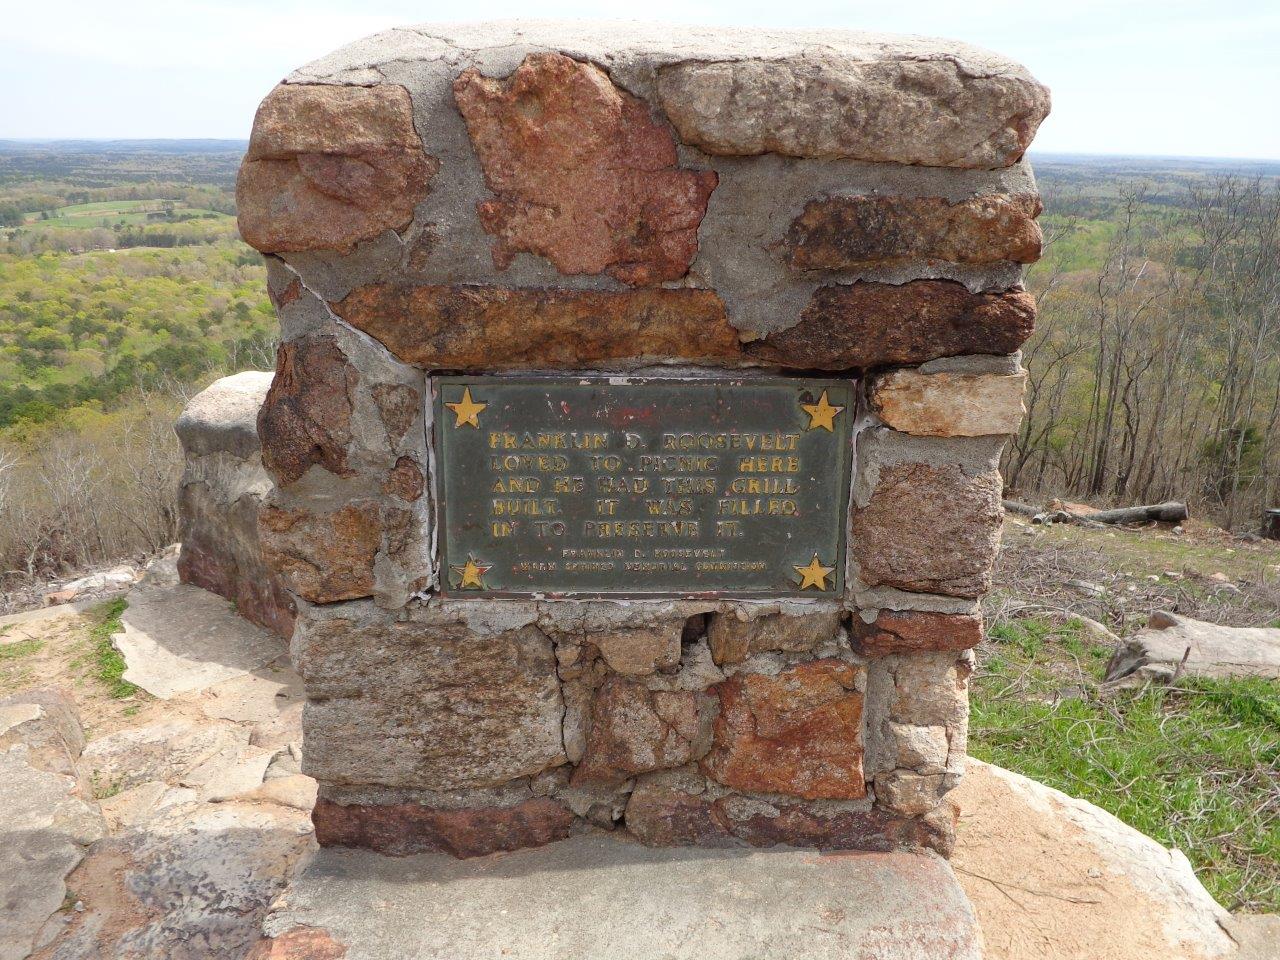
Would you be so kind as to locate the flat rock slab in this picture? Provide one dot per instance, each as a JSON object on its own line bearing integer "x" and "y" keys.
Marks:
{"x": 47, "y": 821}
{"x": 1056, "y": 878}
{"x": 1210, "y": 650}
{"x": 600, "y": 898}
{"x": 178, "y": 638}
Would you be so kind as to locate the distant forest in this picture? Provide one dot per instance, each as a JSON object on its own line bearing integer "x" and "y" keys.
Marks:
{"x": 1154, "y": 370}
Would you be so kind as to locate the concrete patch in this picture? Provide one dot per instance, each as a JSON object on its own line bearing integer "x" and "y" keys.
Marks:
{"x": 600, "y": 898}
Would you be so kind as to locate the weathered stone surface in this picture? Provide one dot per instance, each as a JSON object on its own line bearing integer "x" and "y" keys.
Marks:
{"x": 323, "y": 557}
{"x": 909, "y": 793}
{"x": 875, "y": 829}
{"x": 329, "y": 166}
{"x": 634, "y": 730}
{"x": 583, "y": 175}
{"x": 299, "y": 943}
{"x": 223, "y": 417}
{"x": 660, "y": 814}
{"x": 405, "y": 480}
{"x": 932, "y": 112}
{"x": 796, "y": 733}
{"x": 398, "y": 406}
{"x": 192, "y": 882}
{"x": 408, "y": 828}
{"x": 949, "y": 404}
{"x": 931, "y": 689}
{"x": 223, "y": 484}
{"x": 663, "y": 811}
{"x": 1056, "y": 878}
{"x": 306, "y": 417}
{"x": 600, "y": 898}
{"x": 46, "y": 724}
{"x": 865, "y": 324}
{"x": 49, "y": 818}
{"x": 634, "y": 653}
{"x": 634, "y": 640}
{"x": 497, "y": 328}
{"x": 221, "y": 549}
{"x": 847, "y": 232}
{"x": 455, "y": 707}
{"x": 911, "y": 631}
{"x": 923, "y": 749}
{"x": 929, "y": 528}
{"x": 738, "y": 633}
{"x": 1171, "y": 643}
{"x": 175, "y": 750}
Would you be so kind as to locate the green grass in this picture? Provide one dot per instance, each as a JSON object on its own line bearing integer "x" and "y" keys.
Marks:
{"x": 109, "y": 665}
{"x": 1196, "y": 766}
{"x": 23, "y": 648}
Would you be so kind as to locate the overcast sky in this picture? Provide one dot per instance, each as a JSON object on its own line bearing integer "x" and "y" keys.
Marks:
{"x": 1128, "y": 76}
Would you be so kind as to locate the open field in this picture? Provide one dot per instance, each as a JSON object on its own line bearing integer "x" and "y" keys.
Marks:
{"x": 108, "y": 213}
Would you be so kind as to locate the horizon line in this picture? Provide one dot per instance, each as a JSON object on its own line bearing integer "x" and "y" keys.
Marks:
{"x": 1032, "y": 153}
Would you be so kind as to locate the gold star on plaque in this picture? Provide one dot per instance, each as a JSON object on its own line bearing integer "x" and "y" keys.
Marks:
{"x": 814, "y": 574}
{"x": 471, "y": 574}
{"x": 468, "y": 410}
{"x": 821, "y": 414}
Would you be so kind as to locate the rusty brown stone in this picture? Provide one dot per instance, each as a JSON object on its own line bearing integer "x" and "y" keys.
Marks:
{"x": 212, "y": 564}
{"x": 398, "y": 406}
{"x": 497, "y": 328}
{"x": 306, "y": 418}
{"x": 402, "y": 829}
{"x": 736, "y": 634}
{"x": 323, "y": 557}
{"x": 635, "y": 730}
{"x": 866, "y": 324}
{"x": 797, "y": 733}
{"x": 911, "y": 631}
{"x": 663, "y": 816}
{"x": 404, "y": 481}
{"x": 843, "y": 233}
{"x": 583, "y": 174}
{"x": 929, "y": 529}
{"x": 874, "y": 829}
{"x": 329, "y": 166}
{"x": 660, "y": 814}
{"x": 299, "y": 943}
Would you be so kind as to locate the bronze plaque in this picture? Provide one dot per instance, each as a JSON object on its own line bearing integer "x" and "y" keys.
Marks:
{"x": 642, "y": 486}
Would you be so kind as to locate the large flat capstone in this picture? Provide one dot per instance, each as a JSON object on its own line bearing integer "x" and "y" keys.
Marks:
{"x": 600, "y": 898}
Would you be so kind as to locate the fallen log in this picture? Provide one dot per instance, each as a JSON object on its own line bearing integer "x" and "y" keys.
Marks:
{"x": 1171, "y": 512}
{"x": 1021, "y": 509}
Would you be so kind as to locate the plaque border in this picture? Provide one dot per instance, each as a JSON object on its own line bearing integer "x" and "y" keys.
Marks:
{"x": 434, "y": 404}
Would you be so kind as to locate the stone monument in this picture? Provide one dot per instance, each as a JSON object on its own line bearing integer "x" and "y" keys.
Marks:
{"x": 634, "y": 433}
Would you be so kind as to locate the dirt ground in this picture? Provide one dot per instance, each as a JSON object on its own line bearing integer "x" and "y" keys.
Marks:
{"x": 1120, "y": 576}
{"x": 58, "y": 649}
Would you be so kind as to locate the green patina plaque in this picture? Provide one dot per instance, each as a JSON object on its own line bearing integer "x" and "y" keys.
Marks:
{"x": 642, "y": 487}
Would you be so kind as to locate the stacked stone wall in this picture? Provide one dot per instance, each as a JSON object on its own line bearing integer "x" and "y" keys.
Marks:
{"x": 610, "y": 198}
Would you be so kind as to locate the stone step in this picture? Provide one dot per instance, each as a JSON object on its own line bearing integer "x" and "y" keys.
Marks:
{"x": 599, "y": 897}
